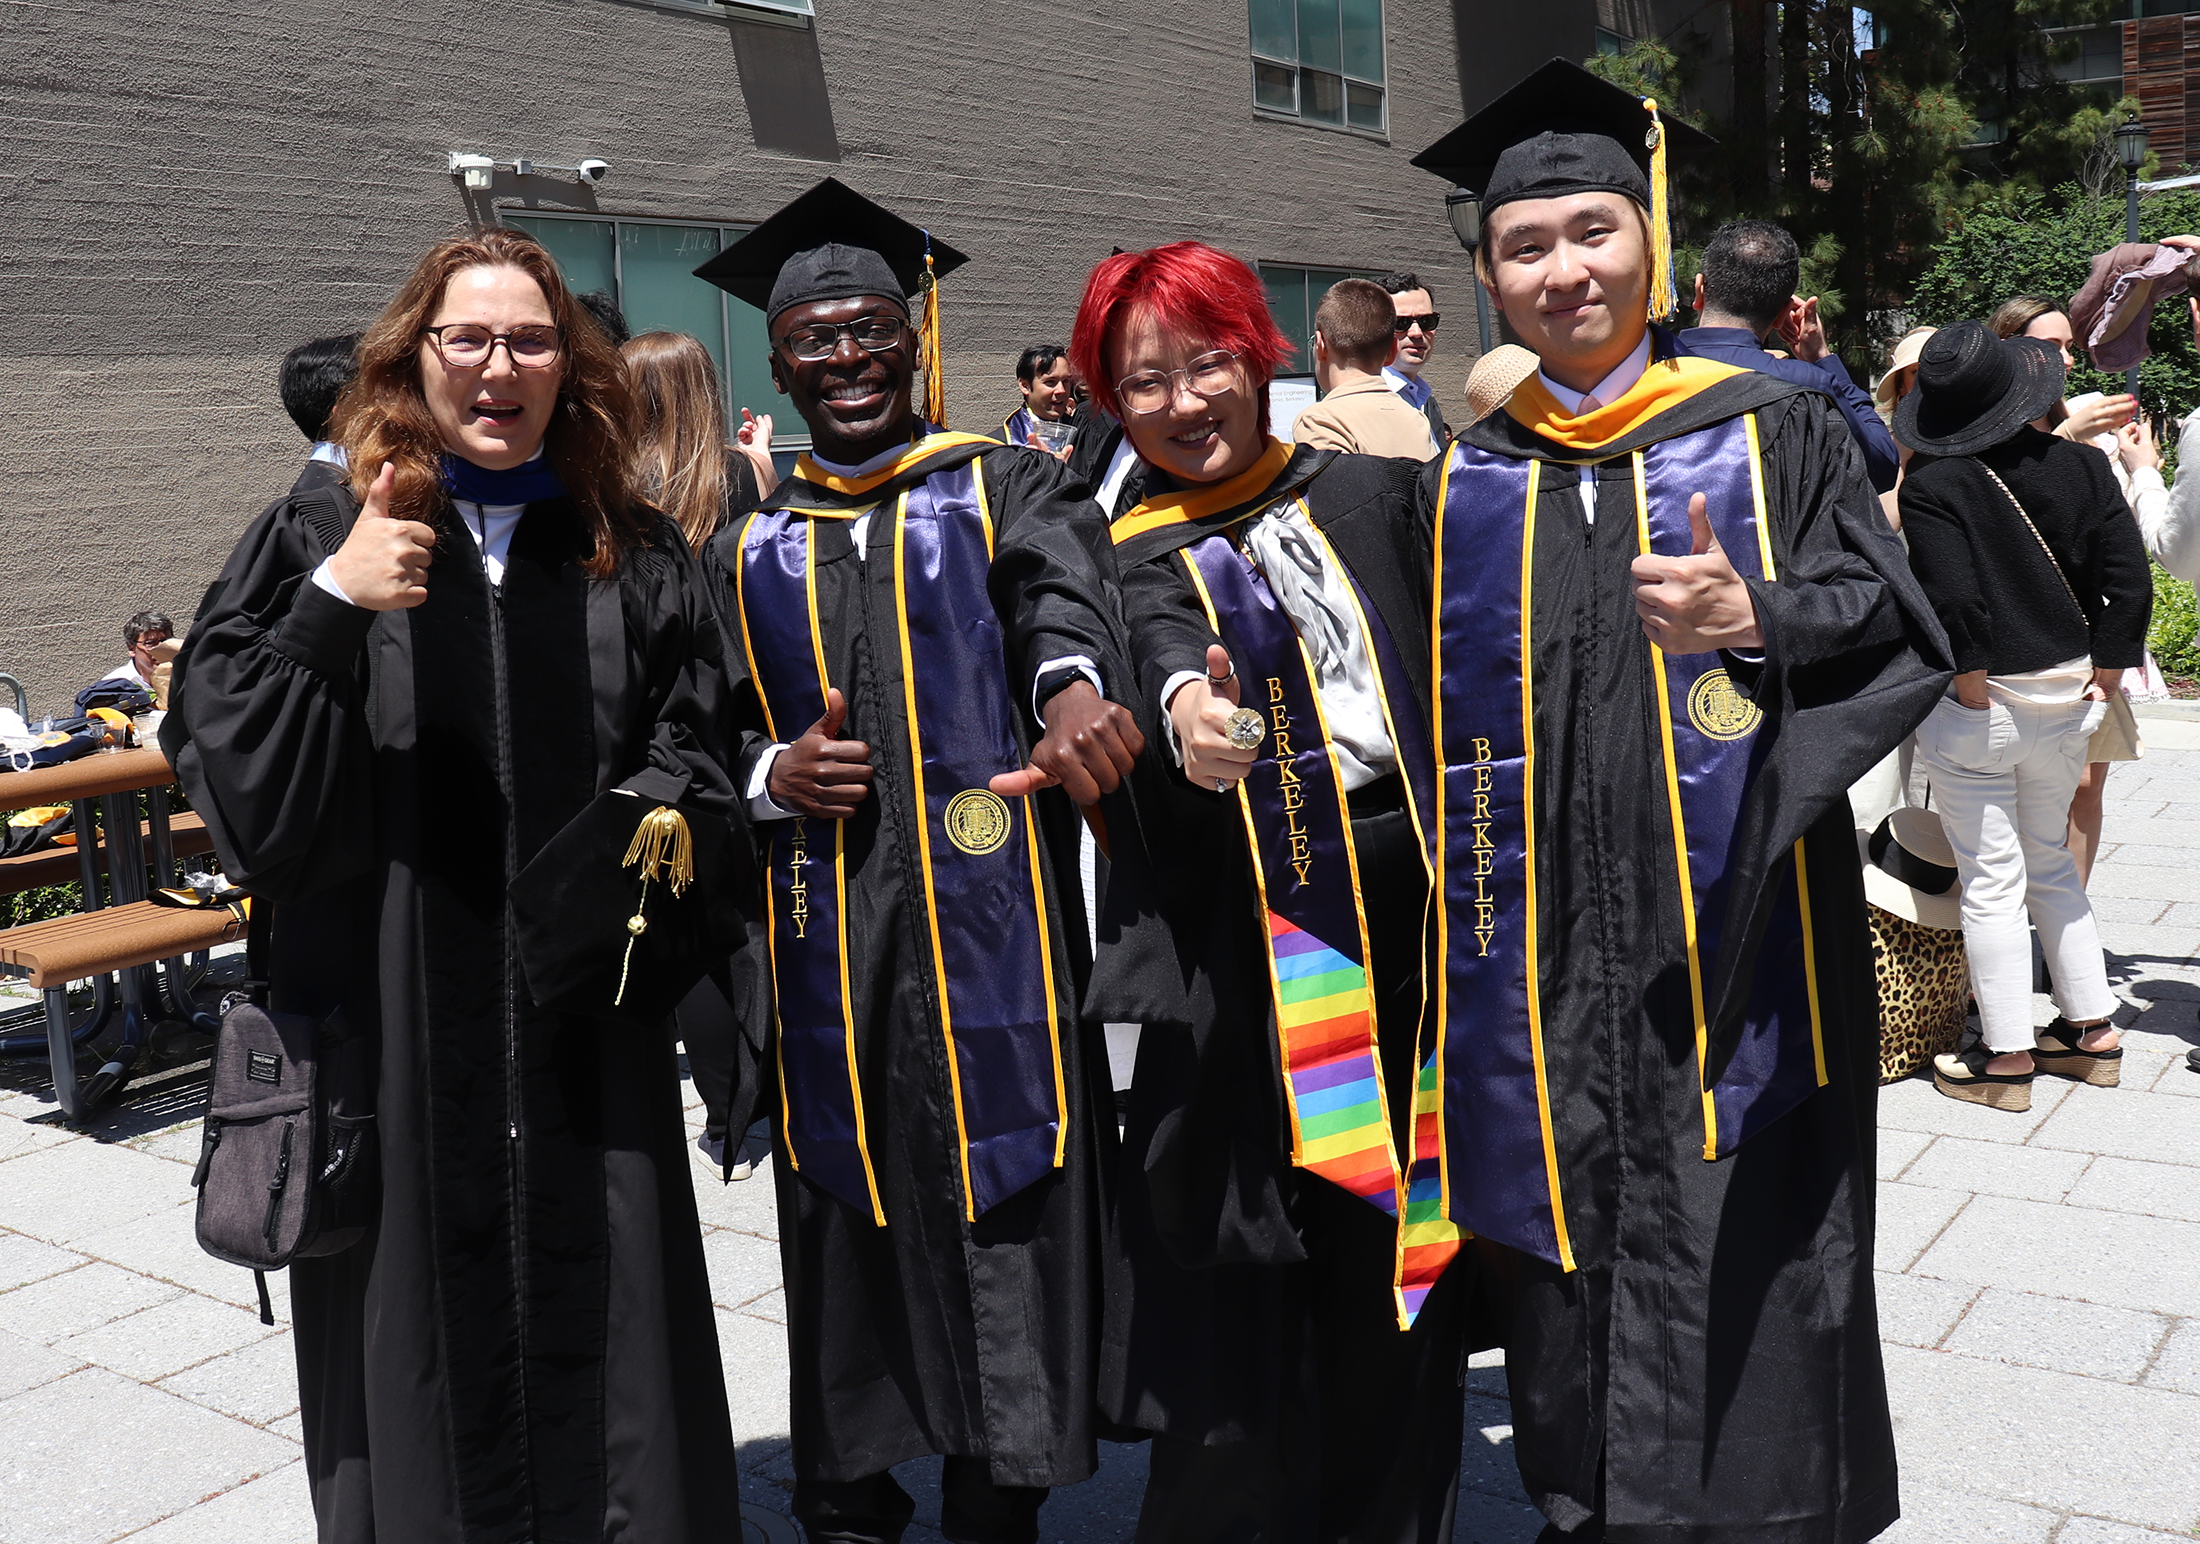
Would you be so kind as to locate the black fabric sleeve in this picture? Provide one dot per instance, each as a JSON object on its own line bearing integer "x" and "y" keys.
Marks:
{"x": 1169, "y": 630}
{"x": 1053, "y": 580}
{"x": 686, "y": 755}
{"x": 2126, "y": 581}
{"x": 278, "y": 754}
{"x": 1882, "y": 464}
{"x": 1941, "y": 558}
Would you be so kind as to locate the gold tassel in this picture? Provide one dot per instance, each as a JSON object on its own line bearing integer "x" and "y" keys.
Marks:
{"x": 928, "y": 336}
{"x": 1663, "y": 301}
{"x": 665, "y": 848}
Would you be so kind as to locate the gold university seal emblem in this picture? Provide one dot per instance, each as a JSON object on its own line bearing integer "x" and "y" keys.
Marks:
{"x": 977, "y": 821}
{"x": 1720, "y": 712}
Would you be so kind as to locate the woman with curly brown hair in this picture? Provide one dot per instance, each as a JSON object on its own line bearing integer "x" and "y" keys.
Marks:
{"x": 424, "y": 715}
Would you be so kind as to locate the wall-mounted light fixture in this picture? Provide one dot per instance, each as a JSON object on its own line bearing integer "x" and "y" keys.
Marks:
{"x": 477, "y": 172}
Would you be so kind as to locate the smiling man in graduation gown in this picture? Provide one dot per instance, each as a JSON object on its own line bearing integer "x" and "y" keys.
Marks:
{"x": 916, "y": 615}
{"x": 1669, "y": 628}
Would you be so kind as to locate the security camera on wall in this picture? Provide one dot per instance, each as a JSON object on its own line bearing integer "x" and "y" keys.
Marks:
{"x": 593, "y": 170}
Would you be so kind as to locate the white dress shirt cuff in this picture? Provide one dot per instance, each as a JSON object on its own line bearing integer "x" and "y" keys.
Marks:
{"x": 1077, "y": 662}
{"x": 1169, "y": 689}
{"x": 327, "y": 581}
{"x": 759, "y": 797}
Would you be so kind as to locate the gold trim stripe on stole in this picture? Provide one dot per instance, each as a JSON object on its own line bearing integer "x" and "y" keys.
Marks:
{"x": 1680, "y": 829}
{"x": 1453, "y": 457}
{"x": 807, "y": 468}
{"x": 1533, "y": 962}
{"x": 771, "y": 727}
{"x": 1802, "y": 871}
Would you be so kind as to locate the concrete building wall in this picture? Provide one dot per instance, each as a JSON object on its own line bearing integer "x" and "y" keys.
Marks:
{"x": 192, "y": 191}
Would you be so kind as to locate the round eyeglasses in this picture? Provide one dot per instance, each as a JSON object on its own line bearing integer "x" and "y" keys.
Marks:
{"x": 464, "y": 345}
{"x": 1149, "y": 391}
{"x": 872, "y": 334}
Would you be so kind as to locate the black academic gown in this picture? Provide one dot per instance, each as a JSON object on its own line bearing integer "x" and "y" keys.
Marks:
{"x": 935, "y": 1334}
{"x": 523, "y": 1349}
{"x": 1711, "y": 1373}
{"x": 1250, "y": 1311}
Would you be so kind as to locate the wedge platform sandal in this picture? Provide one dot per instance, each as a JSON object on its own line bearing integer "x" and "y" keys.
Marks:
{"x": 1963, "y": 1075}
{"x": 2058, "y": 1052}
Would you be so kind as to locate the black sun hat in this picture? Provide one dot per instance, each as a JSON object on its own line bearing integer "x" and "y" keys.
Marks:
{"x": 1975, "y": 390}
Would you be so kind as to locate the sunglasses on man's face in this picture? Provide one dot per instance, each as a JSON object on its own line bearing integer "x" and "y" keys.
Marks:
{"x": 1404, "y": 324}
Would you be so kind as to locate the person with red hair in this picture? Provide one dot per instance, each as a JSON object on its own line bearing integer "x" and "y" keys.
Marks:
{"x": 1281, "y": 1318}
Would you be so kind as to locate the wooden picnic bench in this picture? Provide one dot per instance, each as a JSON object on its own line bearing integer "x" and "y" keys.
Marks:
{"x": 132, "y": 950}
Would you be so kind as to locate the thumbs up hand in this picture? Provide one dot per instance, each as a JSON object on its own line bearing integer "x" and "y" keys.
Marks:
{"x": 820, "y": 773}
{"x": 1201, "y": 711}
{"x": 1696, "y": 604}
{"x": 383, "y": 564}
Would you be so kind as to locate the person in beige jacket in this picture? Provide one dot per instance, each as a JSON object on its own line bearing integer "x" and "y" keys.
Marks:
{"x": 1354, "y": 337}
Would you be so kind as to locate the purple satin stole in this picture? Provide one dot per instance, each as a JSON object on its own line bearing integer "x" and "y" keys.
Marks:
{"x": 984, "y": 952}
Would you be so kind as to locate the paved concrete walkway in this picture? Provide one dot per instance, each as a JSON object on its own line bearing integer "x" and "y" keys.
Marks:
{"x": 2039, "y": 1296}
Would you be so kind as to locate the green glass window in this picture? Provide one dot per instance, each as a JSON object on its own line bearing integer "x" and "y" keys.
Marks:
{"x": 648, "y": 266}
{"x": 1293, "y": 293}
{"x": 1320, "y": 60}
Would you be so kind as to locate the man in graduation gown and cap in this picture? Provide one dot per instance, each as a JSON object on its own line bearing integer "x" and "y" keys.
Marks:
{"x": 918, "y": 614}
{"x": 1670, "y": 628}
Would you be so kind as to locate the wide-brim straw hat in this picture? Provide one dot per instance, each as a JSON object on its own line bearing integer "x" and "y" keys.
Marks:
{"x": 1975, "y": 390}
{"x": 1496, "y": 376}
{"x": 1910, "y": 870}
{"x": 1905, "y": 355}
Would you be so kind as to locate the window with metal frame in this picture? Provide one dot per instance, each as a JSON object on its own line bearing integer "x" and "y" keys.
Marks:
{"x": 1293, "y": 293}
{"x": 648, "y": 266}
{"x": 1320, "y": 61}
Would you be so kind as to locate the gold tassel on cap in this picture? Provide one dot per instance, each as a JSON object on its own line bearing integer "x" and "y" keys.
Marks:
{"x": 928, "y": 343}
{"x": 665, "y": 848}
{"x": 1663, "y": 301}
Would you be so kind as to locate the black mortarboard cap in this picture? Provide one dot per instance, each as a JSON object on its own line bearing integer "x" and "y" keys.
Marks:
{"x": 832, "y": 243}
{"x": 1560, "y": 131}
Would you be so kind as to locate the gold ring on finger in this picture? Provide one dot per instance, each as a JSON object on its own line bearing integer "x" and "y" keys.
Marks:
{"x": 1245, "y": 729}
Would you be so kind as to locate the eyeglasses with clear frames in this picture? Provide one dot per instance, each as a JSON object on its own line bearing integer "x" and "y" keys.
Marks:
{"x": 465, "y": 345}
{"x": 872, "y": 334}
{"x": 1149, "y": 391}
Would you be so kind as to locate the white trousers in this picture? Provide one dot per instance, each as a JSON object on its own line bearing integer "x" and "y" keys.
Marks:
{"x": 2002, "y": 780}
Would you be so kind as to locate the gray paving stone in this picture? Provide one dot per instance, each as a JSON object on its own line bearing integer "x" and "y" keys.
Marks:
{"x": 18, "y": 1138}
{"x": 1998, "y": 1169}
{"x": 97, "y": 1424}
{"x": 772, "y": 1305}
{"x": 1910, "y": 1217}
{"x": 2094, "y": 1530}
{"x": 276, "y": 1508}
{"x": 2124, "y": 1123}
{"x": 1494, "y": 1520}
{"x": 2123, "y": 880}
{"x": 1915, "y": 1105}
{"x": 26, "y": 1259}
{"x": 57, "y": 1307}
{"x": 2178, "y": 1366}
{"x": 1897, "y": 1149}
{"x": 1486, "y": 1462}
{"x": 257, "y": 1382}
{"x": 2151, "y": 942}
{"x": 746, "y": 1206}
{"x": 168, "y": 1337}
{"x": 2117, "y": 908}
{"x": 292, "y": 1426}
{"x": 178, "y": 1144}
{"x": 24, "y": 1364}
{"x": 1971, "y": 1425}
{"x": 754, "y": 1353}
{"x": 1933, "y": 1514}
{"x": 743, "y": 1267}
{"x": 2067, "y": 1251}
{"x": 1486, "y": 1375}
{"x": 1918, "y": 1310}
{"x": 2145, "y": 1189}
{"x": 164, "y": 1245}
{"x": 2029, "y": 1330}
{"x": 2141, "y": 853}
{"x": 73, "y": 1189}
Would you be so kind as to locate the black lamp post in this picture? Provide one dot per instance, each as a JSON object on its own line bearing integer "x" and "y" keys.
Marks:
{"x": 1464, "y": 210}
{"x": 2131, "y": 149}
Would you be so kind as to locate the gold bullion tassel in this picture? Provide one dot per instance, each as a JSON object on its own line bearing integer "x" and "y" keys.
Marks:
{"x": 1663, "y": 301}
{"x": 928, "y": 335}
{"x": 665, "y": 848}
